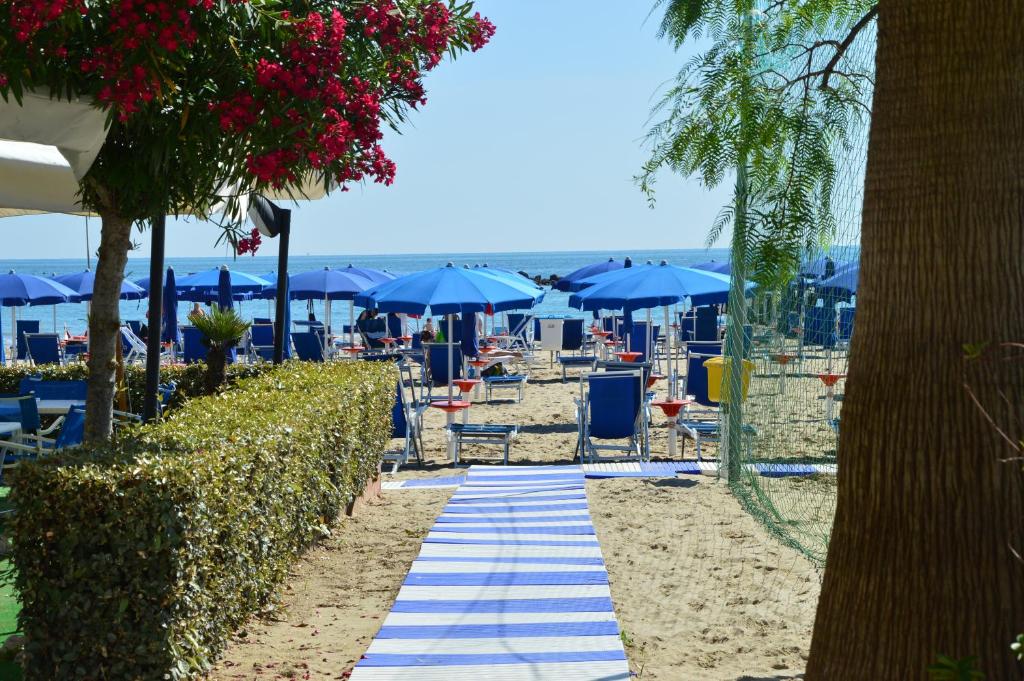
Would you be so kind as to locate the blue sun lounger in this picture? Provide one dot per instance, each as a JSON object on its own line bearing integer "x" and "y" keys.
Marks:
{"x": 309, "y": 346}
{"x": 43, "y": 348}
{"x": 483, "y": 434}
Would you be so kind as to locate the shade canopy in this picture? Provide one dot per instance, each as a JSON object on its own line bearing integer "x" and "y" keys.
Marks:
{"x": 822, "y": 267}
{"x": 573, "y": 280}
{"x": 28, "y": 289}
{"x": 842, "y": 283}
{"x": 644, "y": 286}
{"x": 714, "y": 266}
{"x": 208, "y": 281}
{"x": 375, "y": 276}
{"x": 508, "y": 274}
{"x": 325, "y": 284}
{"x": 82, "y": 282}
{"x": 448, "y": 290}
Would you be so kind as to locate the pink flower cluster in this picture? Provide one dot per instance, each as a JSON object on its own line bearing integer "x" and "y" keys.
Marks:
{"x": 481, "y": 33}
{"x": 28, "y": 17}
{"x": 250, "y": 244}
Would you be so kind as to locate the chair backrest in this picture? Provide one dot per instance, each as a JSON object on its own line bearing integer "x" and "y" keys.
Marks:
{"x": 437, "y": 363}
{"x": 53, "y": 390}
{"x": 707, "y": 323}
{"x": 30, "y": 422}
{"x": 614, "y": 401}
{"x": 193, "y": 350}
{"x": 417, "y": 341}
{"x": 262, "y": 334}
{"x": 572, "y": 334}
{"x": 262, "y": 320}
{"x": 550, "y": 334}
{"x": 820, "y": 326}
{"x": 394, "y": 326}
{"x": 43, "y": 348}
{"x": 518, "y": 324}
{"x": 696, "y": 373}
{"x": 641, "y": 339}
{"x": 308, "y": 346}
{"x": 846, "y": 315}
{"x": 399, "y": 423}
{"x": 22, "y": 327}
{"x": 135, "y": 325}
{"x": 72, "y": 432}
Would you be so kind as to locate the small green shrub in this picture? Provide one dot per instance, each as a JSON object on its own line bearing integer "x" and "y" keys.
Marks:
{"x": 137, "y": 560}
{"x": 190, "y": 378}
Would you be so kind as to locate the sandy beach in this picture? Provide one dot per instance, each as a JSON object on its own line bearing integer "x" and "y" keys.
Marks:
{"x": 700, "y": 589}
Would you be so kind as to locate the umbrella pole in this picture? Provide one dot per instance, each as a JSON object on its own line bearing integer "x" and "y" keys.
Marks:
{"x": 352, "y": 323}
{"x": 55, "y": 319}
{"x": 14, "y": 335}
{"x": 327, "y": 322}
{"x": 451, "y": 372}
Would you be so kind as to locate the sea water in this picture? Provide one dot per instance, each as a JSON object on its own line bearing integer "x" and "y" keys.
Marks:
{"x": 73, "y": 315}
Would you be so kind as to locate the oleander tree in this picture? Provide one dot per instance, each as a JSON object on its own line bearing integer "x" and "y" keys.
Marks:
{"x": 211, "y": 99}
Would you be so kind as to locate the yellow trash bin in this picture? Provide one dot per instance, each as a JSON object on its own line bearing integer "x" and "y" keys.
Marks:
{"x": 716, "y": 366}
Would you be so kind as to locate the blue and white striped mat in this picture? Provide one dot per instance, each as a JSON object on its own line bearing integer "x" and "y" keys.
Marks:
{"x": 509, "y": 585}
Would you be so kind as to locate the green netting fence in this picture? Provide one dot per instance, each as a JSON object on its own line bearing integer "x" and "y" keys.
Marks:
{"x": 798, "y": 340}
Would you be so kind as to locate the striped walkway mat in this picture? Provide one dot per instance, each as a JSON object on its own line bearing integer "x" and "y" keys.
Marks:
{"x": 645, "y": 469}
{"x": 509, "y": 585}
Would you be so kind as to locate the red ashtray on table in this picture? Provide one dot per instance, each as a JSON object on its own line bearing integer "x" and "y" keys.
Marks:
{"x": 627, "y": 356}
{"x": 466, "y": 384}
{"x": 353, "y": 349}
{"x": 671, "y": 407}
{"x": 388, "y": 340}
{"x": 479, "y": 363}
{"x": 782, "y": 358}
{"x": 405, "y": 339}
{"x": 830, "y": 379}
{"x": 450, "y": 407}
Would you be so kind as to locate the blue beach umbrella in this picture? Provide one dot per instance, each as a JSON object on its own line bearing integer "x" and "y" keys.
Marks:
{"x": 207, "y": 283}
{"x": 326, "y": 285}
{"x": 375, "y": 276}
{"x": 449, "y": 290}
{"x": 842, "y": 284}
{"x": 82, "y": 283}
{"x": 573, "y": 280}
{"x": 17, "y": 290}
{"x": 714, "y": 266}
{"x": 644, "y": 286}
{"x": 169, "y": 333}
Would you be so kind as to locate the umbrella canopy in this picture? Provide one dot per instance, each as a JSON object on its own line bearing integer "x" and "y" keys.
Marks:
{"x": 224, "y": 289}
{"x": 573, "y": 280}
{"x": 508, "y": 274}
{"x": 82, "y": 282}
{"x": 27, "y": 289}
{"x": 714, "y": 266}
{"x": 169, "y": 333}
{"x": 325, "y": 284}
{"x": 375, "y": 276}
{"x": 448, "y": 290}
{"x": 645, "y": 286}
{"x": 209, "y": 281}
{"x": 843, "y": 283}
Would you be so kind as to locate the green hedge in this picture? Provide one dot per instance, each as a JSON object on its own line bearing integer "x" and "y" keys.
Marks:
{"x": 188, "y": 377}
{"x": 137, "y": 561}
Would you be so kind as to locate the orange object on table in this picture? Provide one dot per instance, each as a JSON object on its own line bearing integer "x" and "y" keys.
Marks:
{"x": 627, "y": 356}
{"x": 671, "y": 407}
{"x": 405, "y": 339}
{"x": 353, "y": 349}
{"x": 450, "y": 407}
{"x": 830, "y": 379}
{"x": 479, "y": 362}
{"x": 654, "y": 378}
{"x": 467, "y": 384}
{"x": 388, "y": 340}
{"x": 782, "y": 358}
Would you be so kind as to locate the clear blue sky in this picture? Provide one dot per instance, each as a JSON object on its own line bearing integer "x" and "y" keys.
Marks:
{"x": 530, "y": 144}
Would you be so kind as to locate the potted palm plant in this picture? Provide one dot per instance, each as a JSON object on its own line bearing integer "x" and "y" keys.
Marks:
{"x": 222, "y": 330}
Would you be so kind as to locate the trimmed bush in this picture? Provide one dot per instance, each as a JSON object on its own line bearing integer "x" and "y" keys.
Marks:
{"x": 189, "y": 378}
{"x": 138, "y": 560}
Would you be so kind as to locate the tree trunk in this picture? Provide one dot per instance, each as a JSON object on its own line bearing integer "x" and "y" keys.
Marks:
{"x": 105, "y": 323}
{"x": 929, "y": 517}
{"x": 216, "y": 368}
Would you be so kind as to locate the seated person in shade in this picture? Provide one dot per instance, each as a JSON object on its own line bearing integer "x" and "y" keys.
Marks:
{"x": 427, "y": 335}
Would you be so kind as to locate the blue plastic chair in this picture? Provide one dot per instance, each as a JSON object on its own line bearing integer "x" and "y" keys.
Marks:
{"x": 573, "y": 339}
{"x": 261, "y": 341}
{"x": 23, "y": 326}
{"x": 53, "y": 390}
{"x": 707, "y": 323}
{"x": 43, "y": 348}
{"x": 136, "y": 326}
{"x": 193, "y": 350}
{"x": 436, "y": 369}
{"x": 846, "y": 315}
{"x": 696, "y": 383}
{"x": 262, "y": 320}
{"x": 613, "y": 408}
{"x": 820, "y": 326}
{"x": 308, "y": 346}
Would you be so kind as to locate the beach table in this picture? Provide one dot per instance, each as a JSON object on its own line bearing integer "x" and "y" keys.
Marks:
{"x": 465, "y": 385}
{"x": 449, "y": 408}
{"x": 671, "y": 408}
{"x": 830, "y": 380}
